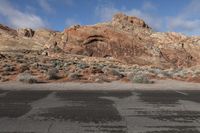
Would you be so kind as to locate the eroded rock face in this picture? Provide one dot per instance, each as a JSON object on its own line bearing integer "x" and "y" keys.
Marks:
{"x": 131, "y": 40}
{"x": 128, "y": 39}
{"x": 128, "y": 23}
{"x": 26, "y": 32}
{"x": 7, "y": 31}
{"x": 102, "y": 41}
{"x": 29, "y": 39}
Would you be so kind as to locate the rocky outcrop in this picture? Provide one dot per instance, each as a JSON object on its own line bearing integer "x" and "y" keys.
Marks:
{"x": 29, "y": 39}
{"x": 5, "y": 30}
{"x": 131, "y": 40}
{"x": 26, "y": 32}
{"x": 128, "y": 39}
{"x": 128, "y": 23}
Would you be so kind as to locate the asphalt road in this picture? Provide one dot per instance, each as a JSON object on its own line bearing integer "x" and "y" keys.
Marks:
{"x": 99, "y": 111}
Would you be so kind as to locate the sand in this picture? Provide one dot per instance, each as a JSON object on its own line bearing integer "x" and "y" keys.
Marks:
{"x": 158, "y": 85}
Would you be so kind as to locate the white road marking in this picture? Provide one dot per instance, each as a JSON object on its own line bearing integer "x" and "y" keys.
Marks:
{"x": 181, "y": 93}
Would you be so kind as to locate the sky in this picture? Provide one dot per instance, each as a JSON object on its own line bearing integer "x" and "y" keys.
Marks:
{"x": 162, "y": 15}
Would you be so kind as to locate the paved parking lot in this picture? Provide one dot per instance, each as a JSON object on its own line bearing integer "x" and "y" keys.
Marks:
{"x": 99, "y": 111}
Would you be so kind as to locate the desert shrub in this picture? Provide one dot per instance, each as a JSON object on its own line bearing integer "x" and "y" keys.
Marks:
{"x": 4, "y": 79}
{"x": 165, "y": 74}
{"x": 26, "y": 78}
{"x": 57, "y": 63}
{"x": 8, "y": 68}
{"x": 155, "y": 71}
{"x": 101, "y": 80}
{"x": 141, "y": 79}
{"x": 5, "y": 73}
{"x": 82, "y": 66}
{"x": 66, "y": 64}
{"x": 96, "y": 69}
{"x": 168, "y": 74}
{"x": 136, "y": 70}
{"x": 52, "y": 74}
{"x": 74, "y": 76}
{"x": 24, "y": 67}
{"x": 112, "y": 71}
{"x": 197, "y": 72}
{"x": 105, "y": 70}
{"x": 116, "y": 73}
{"x": 180, "y": 73}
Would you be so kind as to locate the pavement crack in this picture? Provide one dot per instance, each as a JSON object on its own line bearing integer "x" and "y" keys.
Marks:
{"x": 49, "y": 128}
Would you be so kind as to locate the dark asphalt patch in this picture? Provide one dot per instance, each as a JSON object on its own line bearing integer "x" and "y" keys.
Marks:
{"x": 192, "y": 96}
{"x": 95, "y": 111}
{"x": 106, "y": 129}
{"x": 173, "y": 116}
{"x": 17, "y": 132}
{"x": 168, "y": 98}
{"x": 93, "y": 107}
{"x": 16, "y": 103}
{"x": 177, "y": 129}
{"x": 3, "y": 91}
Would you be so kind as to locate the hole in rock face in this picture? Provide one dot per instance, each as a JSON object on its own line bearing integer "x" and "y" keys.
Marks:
{"x": 93, "y": 36}
{"x": 94, "y": 39}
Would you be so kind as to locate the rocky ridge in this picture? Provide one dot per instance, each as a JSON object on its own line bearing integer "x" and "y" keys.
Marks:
{"x": 119, "y": 49}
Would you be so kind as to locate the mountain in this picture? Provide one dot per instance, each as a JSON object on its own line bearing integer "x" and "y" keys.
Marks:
{"x": 127, "y": 39}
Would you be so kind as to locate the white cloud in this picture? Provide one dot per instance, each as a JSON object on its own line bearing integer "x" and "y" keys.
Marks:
{"x": 70, "y": 22}
{"x": 68, "y": 2}
{"x": 19, "y": 19}
{"x": 45, "y": 5}
{"x": 106, "y": 13}
{"x": 193, "y": 8}
{"x": 184, "y": 24}
{"x": 187, "y": 20}
{"x": 153, "y": 21}
{"x": 148, "y": 6}
{"x": 48, "y": 5}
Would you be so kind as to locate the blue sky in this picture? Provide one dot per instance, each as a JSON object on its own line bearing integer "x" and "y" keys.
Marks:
{"x": 162, "y": 15}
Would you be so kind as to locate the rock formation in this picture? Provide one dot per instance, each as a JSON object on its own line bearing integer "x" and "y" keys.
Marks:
{"x": 128, "y": 39}
{"x": 131, "y": 40}
{"x": 25, "y": 32}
